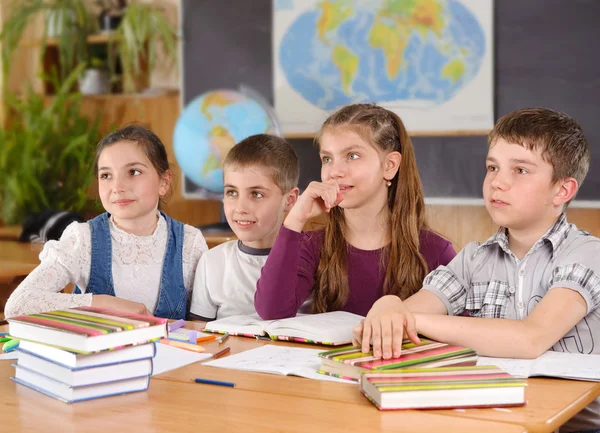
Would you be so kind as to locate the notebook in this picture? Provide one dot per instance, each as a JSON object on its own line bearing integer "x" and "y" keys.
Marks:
{"x": 87, "y": 329}
{"x": 333, "y": 328}
{"x": 71, "y": 394}
{"x": 443, "y": 388}
{"x": 282, "y": 360}
{"x": 551, "y": 364}
{"x": 76, "y": 361}
{"x": 350, "y": 362}
{"x": 85, "y": 376}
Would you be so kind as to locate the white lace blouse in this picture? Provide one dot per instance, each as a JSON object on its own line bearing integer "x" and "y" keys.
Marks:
{"x": 136, "y": 268}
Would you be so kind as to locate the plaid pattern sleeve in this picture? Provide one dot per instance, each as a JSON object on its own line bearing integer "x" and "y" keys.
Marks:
{"x": 448, "y": 284}
{"x": 583, "y": 277}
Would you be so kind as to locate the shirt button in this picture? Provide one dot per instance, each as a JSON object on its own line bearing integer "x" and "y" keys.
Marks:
{"x": 522, "y": 272}
{"x": 511, "y": 290}
{"x": 520, "y": 305}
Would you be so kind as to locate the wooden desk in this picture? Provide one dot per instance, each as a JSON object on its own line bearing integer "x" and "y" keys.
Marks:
{"x": 20, "y": 252}
{"x": 170, "y": 406}
{"x": 10, "y": 270}
{"x": 550, "y": 402}
{"x": 11, "y": 275}
{"x": 10, "y": 233}
{"x": 216, "y": 238}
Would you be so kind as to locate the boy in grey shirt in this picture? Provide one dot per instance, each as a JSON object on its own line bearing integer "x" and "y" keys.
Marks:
{"x": 538, "y": 269}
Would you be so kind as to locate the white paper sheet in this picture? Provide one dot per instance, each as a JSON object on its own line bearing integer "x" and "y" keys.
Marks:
{"x": 169, "y": 358}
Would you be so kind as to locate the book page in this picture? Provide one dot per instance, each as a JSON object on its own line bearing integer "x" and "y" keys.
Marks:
{"x": 334, "y": 327}
{"x": 550, "y": 364}
{"x": 276, "y": 360}
{"x": 516, "y": 367}
{"x": 239, "y": 325}
{"x": 567, "y": 365}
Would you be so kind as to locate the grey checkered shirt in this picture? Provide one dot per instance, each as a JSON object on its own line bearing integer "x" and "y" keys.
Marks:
{"x": 488, "y": 280}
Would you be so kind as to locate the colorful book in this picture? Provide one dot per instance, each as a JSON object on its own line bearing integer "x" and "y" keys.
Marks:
{"x": 71, "y": 394}
{"x": 333, "y": 328}
{"x": 87, "y": 329}
{"x": 443, "y": 388}
{"x": 350, "y": 362}
{"x": 76, "y": 361}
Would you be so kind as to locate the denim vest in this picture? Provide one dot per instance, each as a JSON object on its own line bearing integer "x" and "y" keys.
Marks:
{"x": 172, "y": 296}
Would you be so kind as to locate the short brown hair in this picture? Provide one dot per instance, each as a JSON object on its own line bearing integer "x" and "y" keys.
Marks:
{"x": 272, "y": 154}
{"x": 558, "y": 137}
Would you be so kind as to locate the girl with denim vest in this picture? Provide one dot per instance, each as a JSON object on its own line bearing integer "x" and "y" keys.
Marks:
{"x": 132, "y": 258}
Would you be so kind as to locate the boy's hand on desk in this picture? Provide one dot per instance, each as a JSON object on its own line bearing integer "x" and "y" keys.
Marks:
{"x": 119, "y": 304}
{"x": 386, "y": 325}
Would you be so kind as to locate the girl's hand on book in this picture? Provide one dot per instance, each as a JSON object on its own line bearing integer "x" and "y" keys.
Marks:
{"x": 385, "y": 326}
{"x": 317, "y": 198}
{"x": 119, "y": 304}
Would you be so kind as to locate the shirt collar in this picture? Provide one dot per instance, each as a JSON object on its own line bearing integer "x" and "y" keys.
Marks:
{"x": 555, "y": 235}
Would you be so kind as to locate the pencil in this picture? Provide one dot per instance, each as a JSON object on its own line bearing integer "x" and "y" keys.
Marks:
{"x": 214, "y": 382}
{"x": 221, "y": 352}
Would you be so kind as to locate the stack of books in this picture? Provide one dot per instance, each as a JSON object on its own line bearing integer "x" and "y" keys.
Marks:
{"x": 443, "y": 388}
{"x": 85, "y": 353}
{"x": 350, "y": 362}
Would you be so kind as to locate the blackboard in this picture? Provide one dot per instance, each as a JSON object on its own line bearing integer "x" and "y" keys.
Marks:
{"x": 545, "y": 55}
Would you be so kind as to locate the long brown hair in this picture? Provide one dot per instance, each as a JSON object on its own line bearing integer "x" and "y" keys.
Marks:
{"x": 407, "y": 266}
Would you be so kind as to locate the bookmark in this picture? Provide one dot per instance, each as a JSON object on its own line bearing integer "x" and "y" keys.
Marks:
{"x": 176, "y": 325}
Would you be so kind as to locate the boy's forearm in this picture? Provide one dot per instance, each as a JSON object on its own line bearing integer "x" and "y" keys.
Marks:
{"x": 558, "y": 312}
{"x": 425, "y": 301}
{"x": 502, "y": 338}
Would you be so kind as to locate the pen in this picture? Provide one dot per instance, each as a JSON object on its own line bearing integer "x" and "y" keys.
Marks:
{"x": 214, "y": 382}
{"x": 182, "y": 345}
{"x": 223, "y": 338}
{"x": 176, "y": 325}
{"x": 221, "y": 352}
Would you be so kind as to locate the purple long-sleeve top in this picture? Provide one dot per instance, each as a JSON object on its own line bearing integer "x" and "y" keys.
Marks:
{"x": 288, "y": 276}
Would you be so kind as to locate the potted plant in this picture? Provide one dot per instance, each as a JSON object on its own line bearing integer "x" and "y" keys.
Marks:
{"x": 68, "y": 22}
{"x": 96, "y": 78}
{"x": 111, "y": 13}
{"x": 46, "y": 153}
{"x": 142, "y": 32}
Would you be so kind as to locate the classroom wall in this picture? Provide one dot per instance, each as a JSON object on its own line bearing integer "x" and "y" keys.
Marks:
{"x": 460, "y": 224}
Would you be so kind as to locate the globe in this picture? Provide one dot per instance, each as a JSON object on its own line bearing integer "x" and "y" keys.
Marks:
{"x": 415, "y": 53}
{"x": 210, "y": 125}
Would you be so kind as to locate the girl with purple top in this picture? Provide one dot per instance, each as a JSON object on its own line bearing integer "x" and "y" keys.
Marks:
{"x": 376, "y": 240}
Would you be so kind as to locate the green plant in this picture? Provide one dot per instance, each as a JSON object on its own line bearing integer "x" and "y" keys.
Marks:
{"x": 70, "y": 20}
{"x": 143, "y": 29}
{"x": 46, "y": 153}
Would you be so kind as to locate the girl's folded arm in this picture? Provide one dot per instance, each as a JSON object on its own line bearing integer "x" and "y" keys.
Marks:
{"x": 288, "y": 276}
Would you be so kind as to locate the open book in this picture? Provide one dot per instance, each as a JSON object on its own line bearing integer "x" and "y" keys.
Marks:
{"x": 333, "y": 328}
{"x": 550, "y": 364}
{"x": 285, "y": 361}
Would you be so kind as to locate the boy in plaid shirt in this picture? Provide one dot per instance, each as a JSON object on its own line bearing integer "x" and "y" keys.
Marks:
{"x": 538, "y": 269}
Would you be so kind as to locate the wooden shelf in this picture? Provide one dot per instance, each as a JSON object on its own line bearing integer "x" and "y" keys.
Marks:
{"x": 97, "y": 38}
